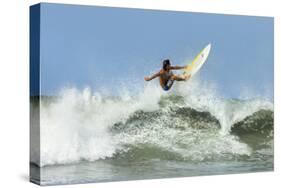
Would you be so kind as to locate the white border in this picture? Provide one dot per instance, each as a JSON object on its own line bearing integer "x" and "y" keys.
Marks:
{"x": 14, "y": 70}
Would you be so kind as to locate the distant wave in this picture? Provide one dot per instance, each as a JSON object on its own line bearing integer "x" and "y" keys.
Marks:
{"x": 191, "y": 122}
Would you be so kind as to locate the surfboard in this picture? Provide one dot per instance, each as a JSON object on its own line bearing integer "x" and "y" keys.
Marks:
{"x": 197, "y": 62}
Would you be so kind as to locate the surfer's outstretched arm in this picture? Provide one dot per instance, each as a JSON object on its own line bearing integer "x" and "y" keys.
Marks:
{"x": 178, "y": 67}
{"x": 148, "y": 78}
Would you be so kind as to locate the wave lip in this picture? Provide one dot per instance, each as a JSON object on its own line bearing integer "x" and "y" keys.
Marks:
{"x": 259, "y": 122}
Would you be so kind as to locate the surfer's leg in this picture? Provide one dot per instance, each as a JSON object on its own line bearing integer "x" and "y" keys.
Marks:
{"x": 186, "y": 77}
{"x": 168, "y": 85}
{"x": 180, "y": 77}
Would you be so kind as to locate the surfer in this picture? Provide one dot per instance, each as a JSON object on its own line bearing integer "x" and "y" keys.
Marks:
{"x": 166, "y": 76}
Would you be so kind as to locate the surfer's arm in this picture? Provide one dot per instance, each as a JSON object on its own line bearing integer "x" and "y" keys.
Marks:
{"x": 148, "y": 78}
{"x": 178, "y": 67}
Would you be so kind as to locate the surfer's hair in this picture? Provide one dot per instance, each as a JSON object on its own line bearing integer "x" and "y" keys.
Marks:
{"x": 166, "y": 62}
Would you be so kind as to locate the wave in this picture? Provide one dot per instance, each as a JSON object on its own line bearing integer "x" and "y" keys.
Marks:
{"x": 189, "y": 123}
{"x": 260, "y": 122}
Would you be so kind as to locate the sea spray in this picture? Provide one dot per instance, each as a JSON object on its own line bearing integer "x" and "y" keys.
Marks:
{"x": 204, "y": 97}
{"x": 190, "y": 122}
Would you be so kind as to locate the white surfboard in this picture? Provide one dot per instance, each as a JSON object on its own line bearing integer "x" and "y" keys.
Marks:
{"x": 198, "y": 61}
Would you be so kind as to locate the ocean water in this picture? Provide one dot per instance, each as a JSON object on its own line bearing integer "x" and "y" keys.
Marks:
{"x": 89, "y": 136}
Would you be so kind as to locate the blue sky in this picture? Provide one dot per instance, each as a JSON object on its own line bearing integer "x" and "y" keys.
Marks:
{"x": 108, "y": 47}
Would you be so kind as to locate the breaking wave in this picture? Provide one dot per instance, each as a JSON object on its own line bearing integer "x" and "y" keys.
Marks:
{"x": 189, "y": 123}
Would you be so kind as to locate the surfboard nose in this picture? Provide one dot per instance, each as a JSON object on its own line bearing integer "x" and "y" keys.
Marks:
{"x": 209, "y": 46}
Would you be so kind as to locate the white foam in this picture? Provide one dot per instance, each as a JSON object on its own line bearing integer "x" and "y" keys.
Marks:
{"x": 203, "y": 97}
{"x": 77, "y": 125}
